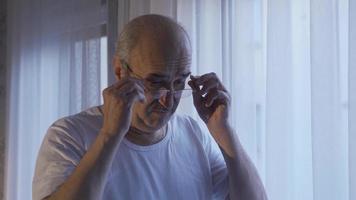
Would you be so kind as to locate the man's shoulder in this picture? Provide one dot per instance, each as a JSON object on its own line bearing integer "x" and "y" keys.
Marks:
{"x": 80, "y": 126}
{"x": 85, "y": 116}
{"x": 193, "y": 127}
{"x": 183, "y": 120}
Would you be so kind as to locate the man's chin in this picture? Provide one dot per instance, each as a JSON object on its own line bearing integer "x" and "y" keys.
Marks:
{"x": 157, "y": 119}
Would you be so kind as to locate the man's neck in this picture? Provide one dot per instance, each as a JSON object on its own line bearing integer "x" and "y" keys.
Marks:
{"x": 144, "y": 139}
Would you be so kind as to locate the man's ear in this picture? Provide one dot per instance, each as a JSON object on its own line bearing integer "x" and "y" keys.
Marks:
{"x": 117, "y": 65}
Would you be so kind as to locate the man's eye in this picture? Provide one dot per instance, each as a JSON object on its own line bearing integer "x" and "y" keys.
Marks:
{"x": 155, "y": 84}
{"x": 179, "y": 82}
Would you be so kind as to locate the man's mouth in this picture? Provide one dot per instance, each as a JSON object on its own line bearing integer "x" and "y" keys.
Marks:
{"x": 160, "y": 110}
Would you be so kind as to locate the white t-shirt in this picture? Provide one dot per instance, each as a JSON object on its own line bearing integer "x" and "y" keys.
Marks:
{"x": 186, "y": 164}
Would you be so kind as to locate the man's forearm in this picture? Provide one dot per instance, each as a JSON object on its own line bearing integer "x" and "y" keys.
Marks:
{"x": 244, "y": 181}
{"x": 89, "y": 178}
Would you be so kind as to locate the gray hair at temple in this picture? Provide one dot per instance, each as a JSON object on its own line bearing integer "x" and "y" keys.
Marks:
{"x": 156, "y": 26}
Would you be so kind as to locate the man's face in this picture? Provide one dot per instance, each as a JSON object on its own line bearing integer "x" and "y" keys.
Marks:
{"x": 162, "y": 68}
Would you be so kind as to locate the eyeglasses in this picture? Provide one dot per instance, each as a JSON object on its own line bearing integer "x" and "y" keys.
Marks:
{"x": 157, "y": 92}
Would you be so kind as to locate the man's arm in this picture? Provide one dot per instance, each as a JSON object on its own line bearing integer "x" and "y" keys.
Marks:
{"x": 212, "y": 102}
{"x": 244, "y": 181}
{"x": 89, "y": 177}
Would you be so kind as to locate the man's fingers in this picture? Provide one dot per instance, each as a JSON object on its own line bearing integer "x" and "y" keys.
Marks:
{"x": 210, "y": 98}
{"x": 135, "y": 92}
{"x": 130, "y": 80}
{"x": 199, "y": 80}
{"x": 205, "y": 80}
{"x": 197, "y": 98}
{"x": 192, "y": 85}
{"x": 121, "y": 83}
{"x": 214, "y": 96}
{"x": 209, "y": 85}
{"x": 128, "y": 88}
{"x": 127, "y": 82}
{"x": 136, "y": 95}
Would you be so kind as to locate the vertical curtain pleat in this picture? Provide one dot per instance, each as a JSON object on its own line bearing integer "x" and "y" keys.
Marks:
{"x": 352, "y": 99}
{"x": 244, "y": 49}
{"x": 139, "y": 7}
{"x": 279, "y": 101}
{"x": 301, "y": 145}
{"x": 115, "y": 20}
{"x": 23, "y": 88}
{"x": 330, "y": 146}
{"x": 54, "y": 62}
{"x": 164, "y": 7}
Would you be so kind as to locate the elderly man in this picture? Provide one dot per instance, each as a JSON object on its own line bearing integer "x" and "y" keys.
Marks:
{"x": 134, "y": 146}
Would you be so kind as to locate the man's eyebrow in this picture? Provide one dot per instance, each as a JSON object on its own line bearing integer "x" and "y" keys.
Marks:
{"x": 184, "y": 75}
{"x": 163, "y": 76}
{"x": 155, "y": 75}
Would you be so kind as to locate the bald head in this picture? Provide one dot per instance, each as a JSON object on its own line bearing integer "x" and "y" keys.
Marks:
{"x": 155, "y": 33}
{"x": 156, "y": 50}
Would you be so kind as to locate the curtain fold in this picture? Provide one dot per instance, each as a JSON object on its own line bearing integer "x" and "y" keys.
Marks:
{"x": 330, "y": 139}
{"x": 352, "y": 98}
{"x": 289, "y": 67}
{"x": 54, "y": 57}
{"x": 279, "y": 101}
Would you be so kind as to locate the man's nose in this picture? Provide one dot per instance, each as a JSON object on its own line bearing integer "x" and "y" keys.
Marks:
{"x": 166, "y": 100}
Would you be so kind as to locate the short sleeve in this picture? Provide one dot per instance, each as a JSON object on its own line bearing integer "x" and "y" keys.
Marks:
{"x": 216, "y": 161}
{"x": 59, "y": 154}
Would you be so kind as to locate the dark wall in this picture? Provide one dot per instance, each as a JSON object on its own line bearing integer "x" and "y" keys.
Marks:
{"x": 2, "y": 92}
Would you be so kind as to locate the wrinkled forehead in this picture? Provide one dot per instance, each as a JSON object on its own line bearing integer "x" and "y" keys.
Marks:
{"x": 168, "y": 56}
{"x": 167, "y": 69}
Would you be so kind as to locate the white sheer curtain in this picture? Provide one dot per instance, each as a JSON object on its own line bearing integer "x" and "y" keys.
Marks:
{"x": 352, "y": 98}
{"x": 290, "y": 67}
{"x": 54, "y": 57}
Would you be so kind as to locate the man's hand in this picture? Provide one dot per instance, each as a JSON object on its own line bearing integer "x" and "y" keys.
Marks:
{"x": 118, "y": 101}
{"x": 212, "y": 102}
{"x": 88, "y": 180}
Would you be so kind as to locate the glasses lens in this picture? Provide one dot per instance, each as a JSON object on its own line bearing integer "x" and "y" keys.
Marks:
{"x": 186, "y": 93}
{"x": 156, "y": 94}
